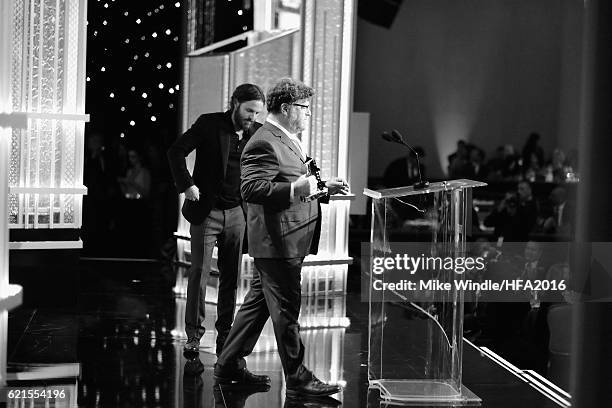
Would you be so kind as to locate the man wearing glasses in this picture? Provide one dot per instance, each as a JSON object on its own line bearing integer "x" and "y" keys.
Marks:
{"x": 283, "y": 227}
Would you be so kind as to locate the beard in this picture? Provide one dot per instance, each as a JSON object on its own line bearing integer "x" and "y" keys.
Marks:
{"x": 297, "y": 125}
{"x": 243, "y": 122}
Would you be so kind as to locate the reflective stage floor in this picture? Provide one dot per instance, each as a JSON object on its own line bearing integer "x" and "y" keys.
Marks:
{"x": 120, "y": 346}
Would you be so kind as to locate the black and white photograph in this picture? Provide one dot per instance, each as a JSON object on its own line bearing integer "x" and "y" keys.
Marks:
{"x": 305, "y": 203}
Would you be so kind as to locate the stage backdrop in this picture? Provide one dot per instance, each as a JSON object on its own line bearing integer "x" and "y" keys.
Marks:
{"x": 487, "y": 71}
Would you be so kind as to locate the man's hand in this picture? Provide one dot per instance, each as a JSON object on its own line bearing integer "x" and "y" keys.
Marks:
{"x": 192, "y": 193}
{"x": 301, "y": 186}
{"x": 337, "y": 185}
{"x": 550, "y": 225}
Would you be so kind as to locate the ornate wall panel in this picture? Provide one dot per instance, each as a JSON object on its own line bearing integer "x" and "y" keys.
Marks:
{"x": 47, "y": 77}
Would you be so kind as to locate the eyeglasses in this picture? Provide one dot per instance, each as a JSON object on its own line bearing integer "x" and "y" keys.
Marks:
{"x": 307, "y": 107}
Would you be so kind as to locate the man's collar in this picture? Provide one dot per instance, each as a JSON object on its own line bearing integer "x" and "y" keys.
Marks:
{"x": 281, "y": 127}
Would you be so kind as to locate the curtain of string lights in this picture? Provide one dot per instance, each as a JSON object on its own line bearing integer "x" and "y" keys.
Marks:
{"x": 133, "y": 66}
{"x": 133, "y": 53}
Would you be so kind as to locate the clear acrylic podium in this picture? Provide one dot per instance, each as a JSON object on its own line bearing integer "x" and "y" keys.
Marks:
{"x": 415, "y": 345}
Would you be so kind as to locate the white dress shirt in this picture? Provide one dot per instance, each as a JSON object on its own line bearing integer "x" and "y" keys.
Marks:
{"x": 560, "y": 208}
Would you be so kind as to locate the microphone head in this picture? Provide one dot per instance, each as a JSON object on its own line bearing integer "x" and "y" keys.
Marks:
{"x": 386, "y": 136}
{"x": 397, "y": 136}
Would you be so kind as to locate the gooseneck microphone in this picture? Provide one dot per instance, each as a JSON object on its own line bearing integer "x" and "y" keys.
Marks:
{"x": 396, "y": 137}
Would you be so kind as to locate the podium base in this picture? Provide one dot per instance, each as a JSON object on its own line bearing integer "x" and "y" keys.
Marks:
{"x": 420, "y": 392}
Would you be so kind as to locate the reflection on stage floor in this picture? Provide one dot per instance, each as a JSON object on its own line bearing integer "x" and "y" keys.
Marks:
{"x": 121, "y": 346}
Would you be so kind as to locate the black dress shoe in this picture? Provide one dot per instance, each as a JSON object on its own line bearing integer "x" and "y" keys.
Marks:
{"x": 239, "y": 377}
{"x": 193, "y": 366}
{"x": 192, "y": 346}
{"x": 311, "y": 388}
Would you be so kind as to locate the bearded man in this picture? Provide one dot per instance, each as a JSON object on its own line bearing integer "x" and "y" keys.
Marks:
{"x": 213, "y": 206}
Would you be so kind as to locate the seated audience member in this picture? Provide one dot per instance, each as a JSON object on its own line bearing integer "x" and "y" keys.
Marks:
{"x": 572, "y": 159}
{"x": 512, "y": 168}
{"x": 496, "y": 164}
{"x": 504, "y": 218}
{"x": 532, "y": 149}
{"x": 512, "y": 220}
{"x": 560, "y": 216}
{"x": 462, "y": 150}
{"x": 557, "y": 169}
{"x": 478, "y": 169}
{"x": 532, "y": 171}
{"x": 527, "y": 205}
{"x": 459, "y": 161}
{"x": 533, "y": 269}
{"x": 505, "y": 164}
{"x": 405, "y": 171}
{"x": 560, "y": 272}
{"x": 529, "y": 348}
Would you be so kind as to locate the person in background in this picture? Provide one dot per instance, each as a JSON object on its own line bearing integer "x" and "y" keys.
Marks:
{"x": 213, "y": 206}
{"x": 99, "y": 175}
{"x": 459, "y": 161}
{"x": 505, "y": 165}
{"x": 532, "y": 171}
{"x": 136, "y": 184}
{"x": 512, "y": 168}
{"x": 496, "y": 165}
{"x": 134, "y": 214}
{"x": 527, "y": 205}
{"x": 532, "y": 148}
{"x": 557, "y": 167}
{"x": 532, "y": 342}
{"x": 478, "y": 169}
{"x": 561, "y": 216}
{"x": 506, "y": 220}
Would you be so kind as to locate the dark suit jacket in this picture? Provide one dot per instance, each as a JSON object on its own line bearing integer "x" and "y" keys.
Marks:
{"x": 277, "y": 227}
{"x": 210, "y": 136}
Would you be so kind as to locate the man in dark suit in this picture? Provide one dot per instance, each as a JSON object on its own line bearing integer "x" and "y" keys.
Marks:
{"x": 283, "y": 227}
{"x": 560, "y": 219}
{"x": 213, "y": 206}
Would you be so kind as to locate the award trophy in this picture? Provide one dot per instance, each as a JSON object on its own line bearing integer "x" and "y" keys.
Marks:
{"x": 313, "y": 170}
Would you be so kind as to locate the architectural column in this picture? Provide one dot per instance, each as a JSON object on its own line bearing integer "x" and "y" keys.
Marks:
{"x": 10, "y": 295}
{"x": 46, "y": 71}
{"x": 328, "y": 43}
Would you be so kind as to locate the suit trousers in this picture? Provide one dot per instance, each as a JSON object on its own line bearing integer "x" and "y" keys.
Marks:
{"x": 275, "y": 292}
{"x": 226, "y": 229}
